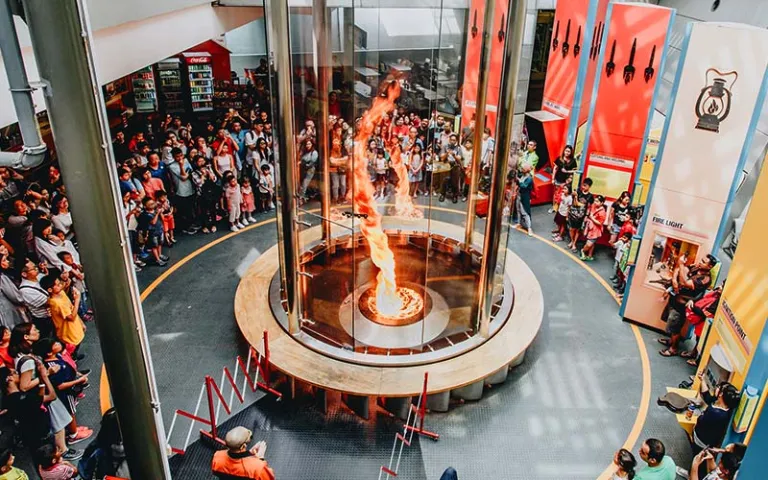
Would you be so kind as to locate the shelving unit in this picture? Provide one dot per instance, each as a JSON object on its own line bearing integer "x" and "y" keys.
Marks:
{"x": 199, "y": 78}
{"x": 144, "y": 93}
{"x": 228, "y": 95}
{"x": 169, "y": 75}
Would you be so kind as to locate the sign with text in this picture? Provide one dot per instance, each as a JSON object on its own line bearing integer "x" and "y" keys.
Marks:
{"x": 696, "y": 165}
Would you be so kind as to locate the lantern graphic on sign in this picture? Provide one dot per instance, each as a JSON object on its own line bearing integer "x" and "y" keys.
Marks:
{"x": 714, "y": 102}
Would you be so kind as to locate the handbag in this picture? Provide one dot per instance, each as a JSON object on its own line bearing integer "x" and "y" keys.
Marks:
{"x": 674, "y": 402}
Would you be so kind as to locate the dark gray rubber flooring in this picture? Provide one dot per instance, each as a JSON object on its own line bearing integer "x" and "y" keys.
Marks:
{"x": 561, "y": 414}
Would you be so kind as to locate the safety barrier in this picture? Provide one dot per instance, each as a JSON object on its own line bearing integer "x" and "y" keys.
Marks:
{"x": 215, "y": 398}
{"x": 416, "y": 413}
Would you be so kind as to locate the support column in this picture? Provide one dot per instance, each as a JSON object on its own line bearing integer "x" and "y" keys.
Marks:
{"x": 482, "y": 96}
{"x": 512, "y": 53}
{"x": 276, "y": 13}
{"x": 63, "y": 46}
{"x": 321, "y": 24}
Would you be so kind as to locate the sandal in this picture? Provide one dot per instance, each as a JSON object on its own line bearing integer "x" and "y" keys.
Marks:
{"x": 663, "y": 341}
{"x": 668, "y": 353}
{"x": 692, "y": 362}
{"x": 688, "y": 354}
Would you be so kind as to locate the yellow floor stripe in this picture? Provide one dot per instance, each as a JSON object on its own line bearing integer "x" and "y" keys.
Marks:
{"x": 645, "y": 396}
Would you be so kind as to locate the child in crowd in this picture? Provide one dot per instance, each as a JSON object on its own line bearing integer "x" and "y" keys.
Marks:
{"x": 52, "y": 466}
{"x": 561, "y": 217}
{"x": 415, "y": 167}
{"x": 167, "y": 216}
{"x": 249, "y": 201}
{"x": 131, "y": 213}
{"x": 127, "y": 185}
{"x": 593, "y": 227}
{"x": 7, "y": 470}
{"x": 150, "y": 231}
{"x": 77, "y": 277}
{"x": 381, "y": 165}
{"x": 68, "y": 383}
{"x": 266, "y": 189}
{"x": 234, "y": 198}
{"x": 621, "y": 246}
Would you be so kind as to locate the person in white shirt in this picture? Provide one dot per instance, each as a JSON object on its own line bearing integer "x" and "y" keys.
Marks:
{"x": 35, "y": 298}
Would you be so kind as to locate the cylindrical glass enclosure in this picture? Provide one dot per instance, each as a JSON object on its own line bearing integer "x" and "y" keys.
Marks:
{"x": 385, "y": 189}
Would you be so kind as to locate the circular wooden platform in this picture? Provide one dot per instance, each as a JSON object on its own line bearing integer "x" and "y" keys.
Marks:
{"x": 291, "y": 357}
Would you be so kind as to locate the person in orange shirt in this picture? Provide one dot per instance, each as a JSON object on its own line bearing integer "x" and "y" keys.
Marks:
{"x": 239, "y": 463}
{"x": 70, "y": 328}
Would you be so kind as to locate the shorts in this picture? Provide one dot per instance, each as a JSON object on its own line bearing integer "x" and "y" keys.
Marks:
{"x": 70, "y": 403}
{"x": 60, "y": 417}
{"x": 675, "y": 321}
{"x": 154, "y": 241}
{"x": 575, "y": 223}
{"x": 381, "y": 177}
{"x": 615, "y": 229}
{"x": 560, "y": 220}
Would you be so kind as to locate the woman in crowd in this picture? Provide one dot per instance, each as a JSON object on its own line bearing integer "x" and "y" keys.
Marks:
{"x": 223, "y": 162}
{"x": 309, "y": 163}
{"x": 565, "y": 167}
{"x": 11, "y": 301}
{"x": 62, "y": 217}
{"x": 625, "y": 465}
{"x": 48, "y": 245}
{"x": 593, "y": 227}
{"x": 618, "y": 215}
{"x": 203, "y": 149}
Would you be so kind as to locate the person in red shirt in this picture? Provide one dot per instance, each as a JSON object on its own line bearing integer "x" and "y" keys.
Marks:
{"x": 5, "y": 340}
{"x": 593, "y": 227}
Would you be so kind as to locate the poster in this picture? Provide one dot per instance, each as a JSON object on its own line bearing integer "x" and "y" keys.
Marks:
{"x": 625, "y": 87}
{"x": 704, "y": 146}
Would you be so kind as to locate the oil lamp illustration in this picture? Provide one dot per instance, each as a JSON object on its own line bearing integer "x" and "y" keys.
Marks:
{"x": 714, "y": 102}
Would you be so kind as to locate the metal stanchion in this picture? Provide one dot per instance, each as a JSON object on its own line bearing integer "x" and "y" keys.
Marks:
{"x": 321, "y": 24}
{"x": 512, "y": 51}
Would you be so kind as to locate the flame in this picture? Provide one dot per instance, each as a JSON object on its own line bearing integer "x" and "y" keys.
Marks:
{"x": 388, "y": 301}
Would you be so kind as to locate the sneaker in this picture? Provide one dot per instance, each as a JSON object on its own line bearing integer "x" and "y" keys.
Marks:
{"x": 85, "y": 371}
{"x": 79, "y": 357}
{"x": 234, "y": 228}
{"x": 551, "y": 210}
{"x": 161, "y": 263}
{"x": 164, "y": 258}
{"x": 240, "y": 225}
{"x": 86, "y": 386}
{"x": 463, "y": 199}
{"x": 213, "y": 229}
{"x": 139, "y": 263}
{"x": 83, "y": 433}
{"x": 253, "y": 220}
{"x": 455, "y": 200}
{"x": 442, "y": 198}
{"x": 205, "y": 230}
{"x": 136, "y": 268}
{"x": 530, "y": 232}
{"x": 245, "y": 221}
{"x": 72, "y": 455}
{"x": 173, "y": 240}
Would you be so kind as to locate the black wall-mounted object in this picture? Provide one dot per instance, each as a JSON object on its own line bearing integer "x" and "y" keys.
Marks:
{"x": 610, "y": 67}
{"x": 649, "y": 70}
{"x": 566, "y": 45}
{"x": 555, "y": 40}
{"x": 501, "y": 28}
{"x": 629, "y": 68}
{"x": 474, "y": 25}
{"x": 577, "y": 46}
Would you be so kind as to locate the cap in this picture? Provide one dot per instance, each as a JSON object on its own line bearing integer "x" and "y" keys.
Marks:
{"x": 237, "y": 437}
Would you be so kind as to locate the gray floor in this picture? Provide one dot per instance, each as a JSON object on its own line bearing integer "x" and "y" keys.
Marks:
{"x": 563, "y": 412}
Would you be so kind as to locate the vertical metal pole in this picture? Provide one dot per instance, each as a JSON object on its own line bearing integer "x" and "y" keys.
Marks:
{"x": 63, "y": 46}
{"x": 482, "y": 97}
{"x": 276, "y": 13}
{"x": 512, "y": 52}
{"x": 321, "y": 24}
{"x": 21, "y": 92}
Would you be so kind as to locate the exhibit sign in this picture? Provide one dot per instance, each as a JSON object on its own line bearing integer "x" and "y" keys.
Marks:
{"x": 573, "y": 56}
{"x": 715, "y": 105}
{"x": 624, "y": 90}
{"x": 473, "y": 59}
{"x": 741, "y": 315}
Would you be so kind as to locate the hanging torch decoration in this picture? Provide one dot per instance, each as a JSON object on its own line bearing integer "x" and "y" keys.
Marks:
{"x": 714, "y": 102}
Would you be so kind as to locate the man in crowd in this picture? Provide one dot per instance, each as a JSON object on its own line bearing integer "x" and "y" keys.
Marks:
{"x": 529, "y": 157}
{"x": 120, "y": 147}
{"x": 36, "y": 298}
{"x": 712, "y": 425}
{"x": 690, "y": 288}
{"x": 238, "y": 462}
{"x": 451, "y": 153}
{"x": 659, "y": 466}
{"x": 181, "y": 177}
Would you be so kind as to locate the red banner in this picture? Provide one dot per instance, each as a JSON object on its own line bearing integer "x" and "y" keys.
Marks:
{"x": 636, "y": 38}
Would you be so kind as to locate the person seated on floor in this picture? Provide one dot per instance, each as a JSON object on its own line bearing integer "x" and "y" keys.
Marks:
{"x": 712, "y": 425}
{"x": 726, "y": 468}
{"x": 659, "y": 466}
{"x": 238, "y": 462}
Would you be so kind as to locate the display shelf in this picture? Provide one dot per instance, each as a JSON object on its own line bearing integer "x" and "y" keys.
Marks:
{"x": 169, "y": 79}
{"x": 199, "y": 80}
{"x": 144, "y": 92}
